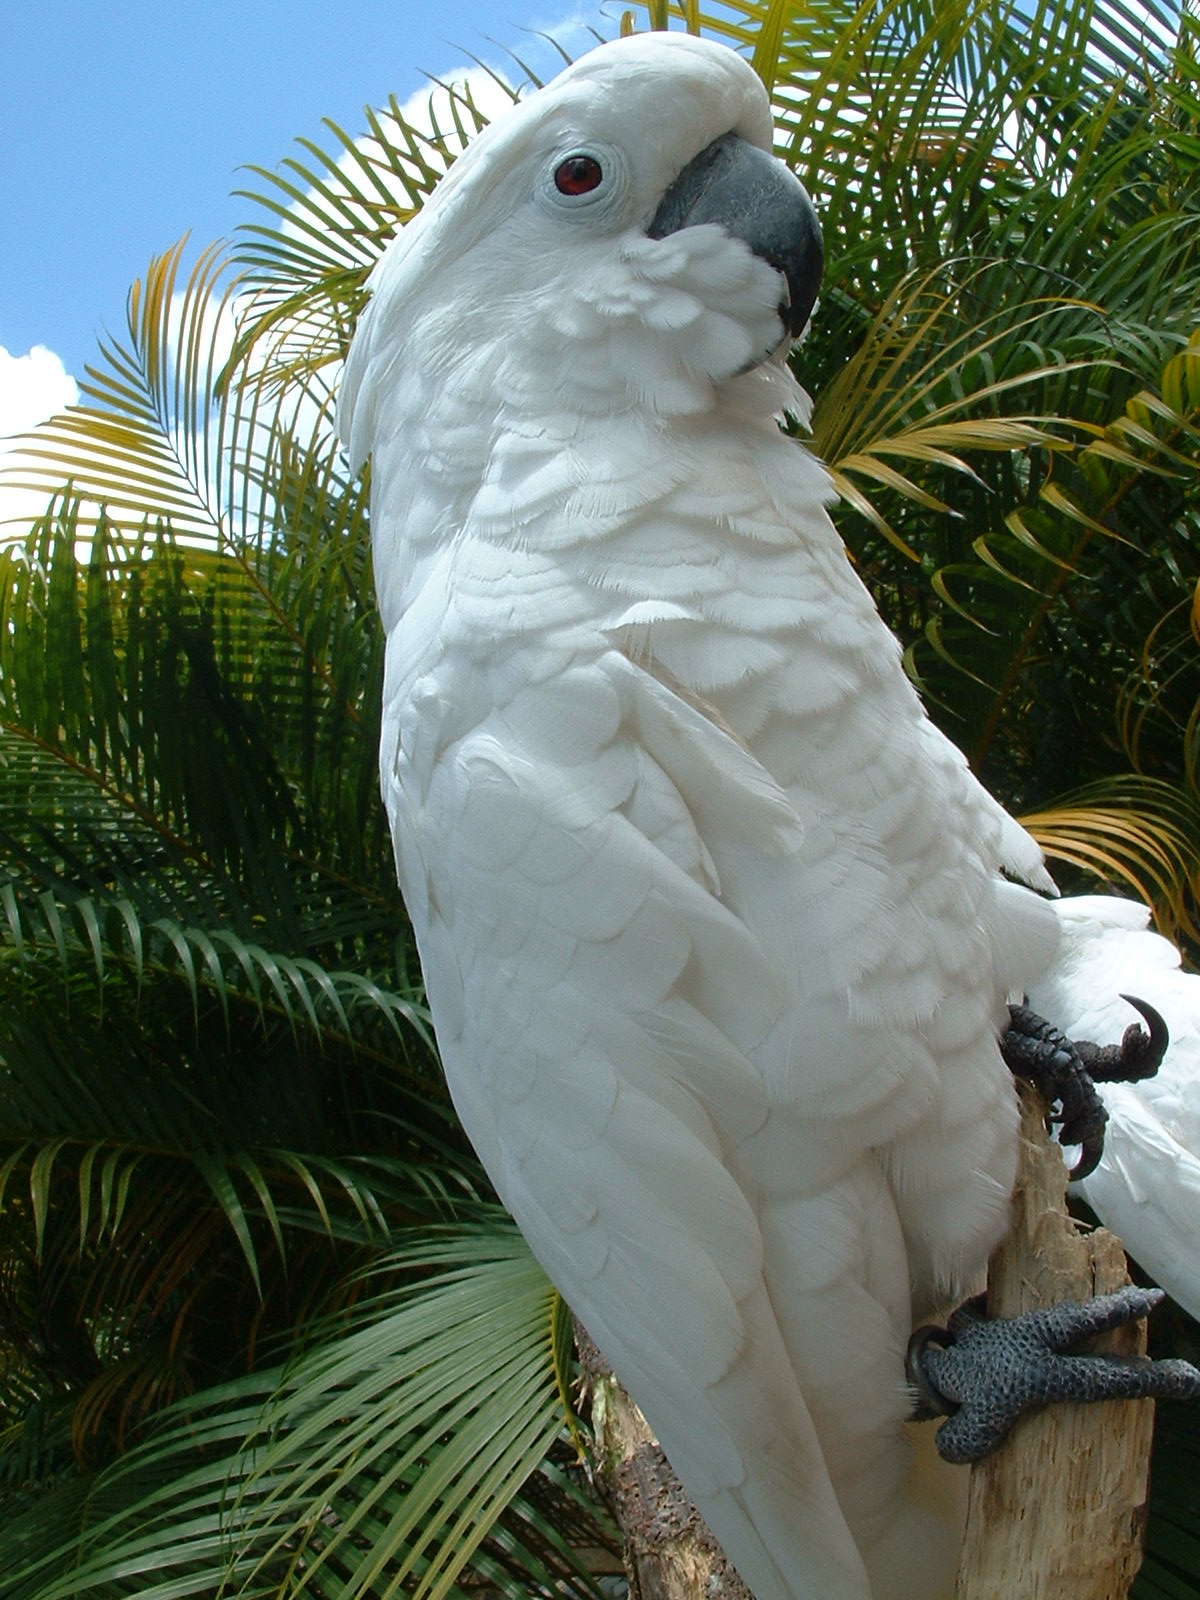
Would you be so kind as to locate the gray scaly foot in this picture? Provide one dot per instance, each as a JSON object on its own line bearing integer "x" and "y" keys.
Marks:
{"x": 982, "y": 1374}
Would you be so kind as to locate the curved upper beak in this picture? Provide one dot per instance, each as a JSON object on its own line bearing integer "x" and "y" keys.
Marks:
{"x": 757, "y": 199}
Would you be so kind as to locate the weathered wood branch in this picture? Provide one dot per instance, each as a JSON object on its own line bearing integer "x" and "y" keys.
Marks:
{"x": 1059, "y": 1512}
{"x": 670, "y": 1553}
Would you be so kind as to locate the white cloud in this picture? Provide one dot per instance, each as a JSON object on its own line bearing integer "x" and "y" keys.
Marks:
{"x": 32, "y": 388}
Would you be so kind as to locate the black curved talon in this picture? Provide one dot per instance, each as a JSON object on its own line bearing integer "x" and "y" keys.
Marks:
{"x": 1064, "y": 1071}
{"x": 929, "y": 1401}
{"x": 983, "y": 1374}
{"x": 1139, "y": 1054}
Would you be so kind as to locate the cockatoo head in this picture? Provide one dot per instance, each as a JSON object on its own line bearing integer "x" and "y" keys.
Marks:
{"x": 623, "y": 237}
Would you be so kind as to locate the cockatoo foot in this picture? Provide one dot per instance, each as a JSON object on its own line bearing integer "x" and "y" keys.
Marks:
{"x": 982, "y": 1374}
{"x": 1064, "y": 1071}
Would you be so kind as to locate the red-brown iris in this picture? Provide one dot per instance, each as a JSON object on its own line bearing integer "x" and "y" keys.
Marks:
{"x": 578, "y": 175}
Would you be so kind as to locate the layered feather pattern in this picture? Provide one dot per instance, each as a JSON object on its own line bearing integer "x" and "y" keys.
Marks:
{"x": 716, "y": 927}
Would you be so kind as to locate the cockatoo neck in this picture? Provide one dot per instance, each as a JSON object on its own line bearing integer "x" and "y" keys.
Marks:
{"x": 533, "y": 461}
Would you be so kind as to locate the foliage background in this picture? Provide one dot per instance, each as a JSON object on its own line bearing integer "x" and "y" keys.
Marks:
{"x": 263, "y": 1328}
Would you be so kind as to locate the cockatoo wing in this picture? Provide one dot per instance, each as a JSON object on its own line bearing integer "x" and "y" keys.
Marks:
{"x": 1147, "y": 1185}
{"x": 600, "y": 1010}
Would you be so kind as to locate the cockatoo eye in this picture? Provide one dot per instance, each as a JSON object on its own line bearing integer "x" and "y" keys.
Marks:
{"x": 578, "y": 174}
{"x": 583, "y": 183}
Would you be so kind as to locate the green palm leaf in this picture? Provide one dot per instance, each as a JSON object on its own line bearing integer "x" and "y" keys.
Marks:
{"x": 141, "y": 442}
{"x": 457, "y": 1377}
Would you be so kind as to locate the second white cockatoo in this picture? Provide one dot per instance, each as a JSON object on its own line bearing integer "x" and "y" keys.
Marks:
{"x": 717, "y": 928}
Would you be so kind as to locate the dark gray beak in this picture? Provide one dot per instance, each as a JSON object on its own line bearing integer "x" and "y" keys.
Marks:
{"x": 757, "y": 199}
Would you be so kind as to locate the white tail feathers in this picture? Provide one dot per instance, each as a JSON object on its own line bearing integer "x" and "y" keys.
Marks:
{"x": 1147, "y": 1185}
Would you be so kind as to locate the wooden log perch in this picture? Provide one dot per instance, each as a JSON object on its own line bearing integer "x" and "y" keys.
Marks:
{"x": 1059, "y": 1512}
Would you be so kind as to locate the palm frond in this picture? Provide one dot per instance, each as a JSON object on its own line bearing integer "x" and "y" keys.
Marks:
{"x": 266, "y": 1480}
{"x": 476, "y": 1355}
{"x": 932, "y": 381}
{"x": 1130, "y": 833}
{"x": 141, "y": 444}
{"x": 333, "y": 210}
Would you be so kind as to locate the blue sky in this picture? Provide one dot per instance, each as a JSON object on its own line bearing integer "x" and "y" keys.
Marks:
{"x": 124, "y": 124}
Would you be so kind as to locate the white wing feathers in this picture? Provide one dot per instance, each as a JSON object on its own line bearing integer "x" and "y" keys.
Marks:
{"x": 608, "y": 1008}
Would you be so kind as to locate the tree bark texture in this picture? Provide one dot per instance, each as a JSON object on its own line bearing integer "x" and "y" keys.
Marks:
{"x": 1059, "y": 1512}
{"x": 669, "y": 1552}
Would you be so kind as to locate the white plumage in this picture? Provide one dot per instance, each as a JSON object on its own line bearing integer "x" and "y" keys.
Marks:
{"x": 1147, "y": 1186}
{"x": 717, "y": 928}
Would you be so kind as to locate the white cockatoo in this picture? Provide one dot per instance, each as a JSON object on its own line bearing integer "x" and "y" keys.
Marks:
{"x": 717, "y": 928}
